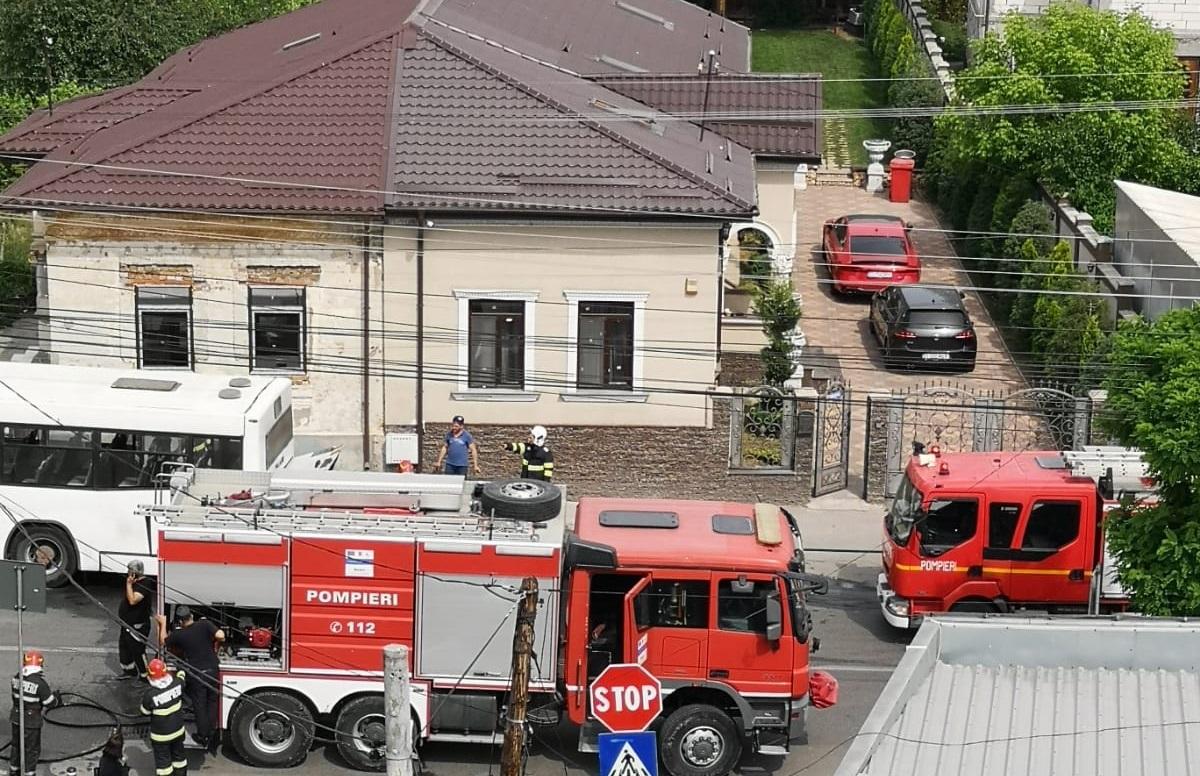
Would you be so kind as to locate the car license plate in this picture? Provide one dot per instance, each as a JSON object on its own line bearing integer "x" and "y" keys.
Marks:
{"x": 879, "y": 274}
{"x": 936, "y": 356}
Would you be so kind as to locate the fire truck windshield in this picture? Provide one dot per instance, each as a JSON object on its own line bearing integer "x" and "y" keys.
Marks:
{"x": 905, "y": 509}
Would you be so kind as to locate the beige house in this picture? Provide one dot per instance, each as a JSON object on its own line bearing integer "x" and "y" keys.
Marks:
{"x": 415, "y": 213}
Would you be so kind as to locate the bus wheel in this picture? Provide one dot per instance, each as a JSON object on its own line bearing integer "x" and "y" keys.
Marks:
{"x": 271, "y": 729}
{"x": 362, "y": 734}
{"x": 700, "y": 740}
{"x": 49, "y": 546}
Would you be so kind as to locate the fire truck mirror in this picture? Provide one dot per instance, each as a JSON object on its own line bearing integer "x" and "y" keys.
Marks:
{"x": 774, "y": 618}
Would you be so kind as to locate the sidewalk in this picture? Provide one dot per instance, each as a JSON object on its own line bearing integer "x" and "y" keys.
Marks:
{"x": 842, "y": 536}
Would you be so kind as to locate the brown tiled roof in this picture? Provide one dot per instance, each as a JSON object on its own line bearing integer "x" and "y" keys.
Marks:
{"x": 738, "y": 107}
{"x": 345, "y": 99}
{"x": 481, "y": 127}
{"x": 610, "y": 36}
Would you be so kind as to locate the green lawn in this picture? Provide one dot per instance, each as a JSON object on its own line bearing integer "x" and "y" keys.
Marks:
{"x": 835, "y": 57}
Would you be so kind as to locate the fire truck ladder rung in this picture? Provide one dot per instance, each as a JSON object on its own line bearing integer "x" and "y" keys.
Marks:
{"x": 287, "y": 521}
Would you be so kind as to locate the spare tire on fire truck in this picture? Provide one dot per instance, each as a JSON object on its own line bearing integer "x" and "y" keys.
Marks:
{"x": 533, "y": 501}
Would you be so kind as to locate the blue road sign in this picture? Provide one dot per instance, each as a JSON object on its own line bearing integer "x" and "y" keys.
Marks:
{"x": 629, "y": 754}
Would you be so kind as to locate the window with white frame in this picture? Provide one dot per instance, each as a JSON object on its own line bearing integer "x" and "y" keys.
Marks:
{"x": 605, "y": 345}
{"x": 164, "y": 327}
{"x": 277, "y": 335}
{"x": 496, "y": 344}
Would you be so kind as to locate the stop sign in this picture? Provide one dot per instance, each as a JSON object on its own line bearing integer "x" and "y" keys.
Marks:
{"x": 626, "y": 698}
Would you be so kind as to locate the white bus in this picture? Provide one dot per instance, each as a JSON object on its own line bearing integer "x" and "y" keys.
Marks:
{"x": 81, "y": 447}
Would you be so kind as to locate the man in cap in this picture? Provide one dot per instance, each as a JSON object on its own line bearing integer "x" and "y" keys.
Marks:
{"x": 31, "y": 695}
{"x": 134, "y": 612}
{"x": 458, "y": 449}
{"x": 537, "y": 462}
{"x": 196, "y": 643}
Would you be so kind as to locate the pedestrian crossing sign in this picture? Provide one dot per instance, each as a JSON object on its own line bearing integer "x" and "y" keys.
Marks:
{"x": 629, "y": 754}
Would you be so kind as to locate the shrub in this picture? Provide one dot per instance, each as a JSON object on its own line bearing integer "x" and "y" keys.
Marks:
{"x": 17, "y": 284}
{"x": 916, "y": 88}
{"x": 775, "y": 303}
{"x": 954, "y": 39}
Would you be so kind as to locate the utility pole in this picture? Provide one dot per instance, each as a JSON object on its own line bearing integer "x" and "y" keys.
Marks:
{"x": 514, "y": 732}
{"x": 397, "y": 710}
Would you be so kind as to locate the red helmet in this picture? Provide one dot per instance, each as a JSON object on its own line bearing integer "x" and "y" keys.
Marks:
{"x": 33, "y": 659}
{"x": 156, "y": 669}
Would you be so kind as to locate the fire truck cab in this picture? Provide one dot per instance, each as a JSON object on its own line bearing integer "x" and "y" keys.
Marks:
{"x": 999, "y": 531}
{"x": 312, "y": 574}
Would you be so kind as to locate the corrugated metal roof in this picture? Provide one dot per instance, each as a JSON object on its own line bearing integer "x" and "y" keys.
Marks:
{"x": 1005, "y": 695}
{"x": 737, "y": 106}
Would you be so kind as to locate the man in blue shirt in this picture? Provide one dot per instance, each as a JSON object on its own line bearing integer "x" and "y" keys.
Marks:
{"x": 458, "y": 449}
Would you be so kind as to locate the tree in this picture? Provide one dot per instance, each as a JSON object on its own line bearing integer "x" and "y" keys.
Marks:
{"x": 1153, "y": 404}
{"x": 1072, "y": 54}
{"x": 106, "y": 43}
{"x": 1067, "y": 321}
{"x": 775, "y": 303}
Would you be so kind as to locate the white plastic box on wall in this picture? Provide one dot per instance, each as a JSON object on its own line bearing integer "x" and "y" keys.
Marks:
{"x": 399, "y": 447}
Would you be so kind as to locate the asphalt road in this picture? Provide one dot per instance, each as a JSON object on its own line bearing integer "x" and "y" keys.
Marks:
{"x": 80, "y": 646}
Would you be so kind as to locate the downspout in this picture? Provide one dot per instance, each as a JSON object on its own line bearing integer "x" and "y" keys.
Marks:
{"x": 722, "y": 236}
{"x": 366, "y": 345}
{"x": 420, "y": 340}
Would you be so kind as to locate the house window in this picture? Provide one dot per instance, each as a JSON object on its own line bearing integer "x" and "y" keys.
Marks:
{"x": 276, "y": 329}
{"x": 497, "y": 344}
{"x": 605, "y": 349}
{"x": 164, "y": 320}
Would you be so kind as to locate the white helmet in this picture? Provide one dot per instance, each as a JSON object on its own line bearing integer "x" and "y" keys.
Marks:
{"x": 539, "y": 435}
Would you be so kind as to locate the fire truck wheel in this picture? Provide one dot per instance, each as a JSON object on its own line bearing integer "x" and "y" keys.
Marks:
{"x": 531, "y": 500}
{"x": 975, "y": 605}
{"x": 272, "y": 730}
{"x": 361, "y": 733}
{"x": 700, "y": 740}
{"x": 51, "y": 547}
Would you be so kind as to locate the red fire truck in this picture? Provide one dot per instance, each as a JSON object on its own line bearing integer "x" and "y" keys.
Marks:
{"x": 312, "y": 573}
{"x": 998, "y": 531}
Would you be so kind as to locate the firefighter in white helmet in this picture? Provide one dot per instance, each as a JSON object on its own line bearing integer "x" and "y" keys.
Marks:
{"x": 537, "y": 462}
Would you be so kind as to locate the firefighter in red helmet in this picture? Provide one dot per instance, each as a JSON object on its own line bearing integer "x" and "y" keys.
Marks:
{"x": 29, "y": 686}
{"x": 163, "y": 701}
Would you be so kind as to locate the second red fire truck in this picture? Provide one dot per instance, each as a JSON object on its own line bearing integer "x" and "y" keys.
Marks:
{"x": 1001, "y": 531}
{"x": 312, "y": 574}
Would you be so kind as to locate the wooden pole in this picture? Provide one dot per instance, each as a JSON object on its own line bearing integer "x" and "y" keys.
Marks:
{"x": 397, "y": 707}
{"x": 514, "y": 732}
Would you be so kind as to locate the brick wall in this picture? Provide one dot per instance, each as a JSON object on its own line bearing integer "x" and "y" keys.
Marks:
{"x": 283, "y": 276}
{"x": 741, "y": 369}
{"x": 645, "y": 462}
{"x": 133, "y": 275}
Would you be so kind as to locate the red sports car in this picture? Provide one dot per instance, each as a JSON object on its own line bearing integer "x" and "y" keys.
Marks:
{"x": 867, "y": 253}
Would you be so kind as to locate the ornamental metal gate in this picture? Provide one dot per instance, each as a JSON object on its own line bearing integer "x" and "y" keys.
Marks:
{"x": 762, "y": 430}
{"x": 958, "y": 419}
{"x": 831, "y": 440}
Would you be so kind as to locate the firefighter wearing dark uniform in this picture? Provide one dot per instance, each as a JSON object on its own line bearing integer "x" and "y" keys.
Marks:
{"x": 32, "y": 686}
{"x": 537, "y": 462}
{"x": 163, "y": 701}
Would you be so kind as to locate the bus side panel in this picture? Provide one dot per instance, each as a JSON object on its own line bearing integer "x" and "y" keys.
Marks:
{"x": 349, "y": 599}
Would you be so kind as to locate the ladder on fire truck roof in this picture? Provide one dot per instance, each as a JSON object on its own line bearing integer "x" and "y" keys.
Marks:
{"x": 287, "y": 521}
{"x": 1129, "y": 469}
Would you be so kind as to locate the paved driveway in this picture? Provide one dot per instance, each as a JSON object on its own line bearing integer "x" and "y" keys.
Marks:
{"x": 836, "y": 327}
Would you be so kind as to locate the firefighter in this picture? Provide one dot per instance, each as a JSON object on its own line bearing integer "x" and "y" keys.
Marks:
{"x": 32, "y": 687}
{"x": 134, "y": 612}
{"x": 537, "y": 462}
{"x": 197, "y": 642}
{"x": 163, "y": 701}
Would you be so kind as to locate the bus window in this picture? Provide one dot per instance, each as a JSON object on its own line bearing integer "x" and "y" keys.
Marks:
{"x": 119, "y": 464}
{"x": 279, "y": 437}
{"x": 217, "y": 452}
{"x": 58, "y": 457}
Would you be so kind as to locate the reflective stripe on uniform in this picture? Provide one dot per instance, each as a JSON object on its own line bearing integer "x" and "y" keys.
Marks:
{"x": 180, "y": 764}
{"x": 168, "y": 710}
{"x": 534, "y": 467}
{"x": 162, "y": 737}
{"x": 164, "y": 771}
